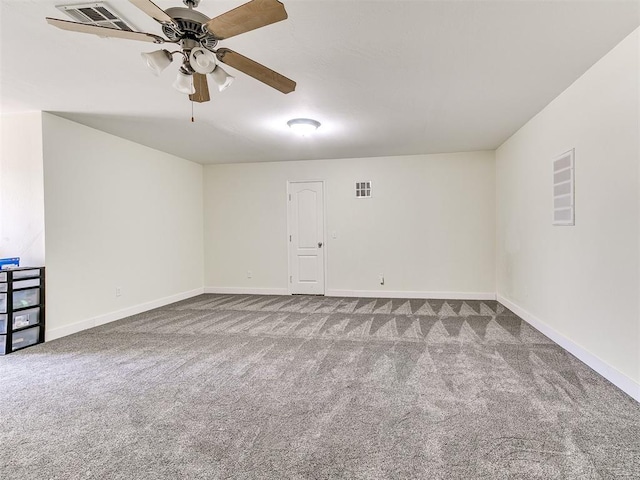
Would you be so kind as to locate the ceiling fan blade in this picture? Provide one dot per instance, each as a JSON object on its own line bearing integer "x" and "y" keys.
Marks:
{"x": 104, "y": 31}
{"x": 202, "y": 89}
{"x": 154, "y": 11}
{"x": 247, "y": 17}
{"x": 255, "y": 70}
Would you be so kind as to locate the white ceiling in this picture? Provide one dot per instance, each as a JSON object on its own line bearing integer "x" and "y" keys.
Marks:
{"x": 383, "y": 77}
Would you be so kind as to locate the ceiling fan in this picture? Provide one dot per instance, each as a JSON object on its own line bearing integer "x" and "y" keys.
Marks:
{"x": 198, "y": 35}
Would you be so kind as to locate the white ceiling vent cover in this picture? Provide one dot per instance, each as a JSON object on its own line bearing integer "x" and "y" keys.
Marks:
{"x": 563, "y": 189}
{"x": 99, "y": 14}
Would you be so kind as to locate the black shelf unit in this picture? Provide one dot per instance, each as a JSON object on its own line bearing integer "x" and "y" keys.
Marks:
{"x": 22, "y": 316}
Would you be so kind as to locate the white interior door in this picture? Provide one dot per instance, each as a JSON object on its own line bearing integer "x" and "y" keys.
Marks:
{"x": 306, "y": 237}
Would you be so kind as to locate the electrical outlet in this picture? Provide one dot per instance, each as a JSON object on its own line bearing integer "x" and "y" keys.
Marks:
{"x": 249, "y": 274}
{"x": 381, "y": 278}
{"x": 118, "y": 291}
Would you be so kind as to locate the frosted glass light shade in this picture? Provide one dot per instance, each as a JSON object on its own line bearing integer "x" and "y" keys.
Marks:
{"x": 221, "y": 78}
{"x": 202, "y": 60}
{"x": 303, "y": 126}
{"x": 184, "y": 84}
{"x": 157, "y": 61}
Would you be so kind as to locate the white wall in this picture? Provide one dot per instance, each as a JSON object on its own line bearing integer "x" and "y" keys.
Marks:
{"x": 429, "y": 226}
{"x": 118, "y": 214}
{"x": 21, "y": 188}
{"x": 579, "y": 283}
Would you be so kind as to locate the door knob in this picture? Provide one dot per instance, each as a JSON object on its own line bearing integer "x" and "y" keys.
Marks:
{"x": 319, "y": 244}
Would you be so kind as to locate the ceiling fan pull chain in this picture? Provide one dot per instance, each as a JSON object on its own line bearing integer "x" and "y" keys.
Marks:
{"x": 192, "y": 120}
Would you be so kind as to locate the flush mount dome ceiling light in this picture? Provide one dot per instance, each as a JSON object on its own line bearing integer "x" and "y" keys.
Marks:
{"x": 303, "y": 126}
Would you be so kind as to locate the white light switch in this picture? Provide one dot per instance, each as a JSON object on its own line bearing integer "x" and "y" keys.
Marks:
{"x": 334, "y": 235}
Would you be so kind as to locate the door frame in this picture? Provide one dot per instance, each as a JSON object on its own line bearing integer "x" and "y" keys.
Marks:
{"x": 324, "y": 233}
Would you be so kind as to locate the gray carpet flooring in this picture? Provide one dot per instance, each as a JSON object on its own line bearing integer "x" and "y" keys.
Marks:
{"x": 267, "y": 387}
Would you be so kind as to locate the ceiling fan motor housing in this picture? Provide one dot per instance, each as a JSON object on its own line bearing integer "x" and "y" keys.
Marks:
{"x": 190, "y": 26}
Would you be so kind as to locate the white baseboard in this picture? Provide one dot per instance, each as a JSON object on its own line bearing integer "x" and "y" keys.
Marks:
{"x": 359, "y": 293}
{"x": 619, "y": 379}
{"x": 409, "y": 294}
{"x": 247, "y": 290}
{"x": 59, "y": 332}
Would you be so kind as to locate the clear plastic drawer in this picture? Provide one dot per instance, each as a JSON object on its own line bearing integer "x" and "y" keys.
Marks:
{"x": 32, "y": 282}
{"x": 25, "y": 338}
{"x": 26, "y": 274}
{"x": 26, "y": 318}
{"x": 3, "y": 303}
{"x": 26, "y": 298}
{"x": 3, "y": 323}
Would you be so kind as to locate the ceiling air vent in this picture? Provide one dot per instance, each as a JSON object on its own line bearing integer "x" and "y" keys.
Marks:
{"x": 99, "y": 14}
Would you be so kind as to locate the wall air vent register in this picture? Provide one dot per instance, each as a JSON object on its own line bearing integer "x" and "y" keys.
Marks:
{"x": 564, "y": 189}
{"x": 99, "y": 14}
{"x": 363, "y": 189}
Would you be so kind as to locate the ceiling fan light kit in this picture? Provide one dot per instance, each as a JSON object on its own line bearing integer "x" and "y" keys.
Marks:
{"x": 197, "y": 37}
{"x": 221, "y": 78}
{"x": 184, "y": 83}
{"x": 202, "y": 61}
{"x": 157, "y": 61}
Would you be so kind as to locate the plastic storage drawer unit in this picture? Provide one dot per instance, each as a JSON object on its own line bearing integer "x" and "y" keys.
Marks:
{"x": 22, "y": 308}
